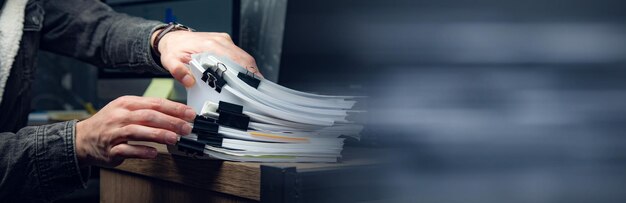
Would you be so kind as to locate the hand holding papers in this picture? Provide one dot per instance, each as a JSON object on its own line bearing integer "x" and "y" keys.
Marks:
{"x": 245, "y": 118}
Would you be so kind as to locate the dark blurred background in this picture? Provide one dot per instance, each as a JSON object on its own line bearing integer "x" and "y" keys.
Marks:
{"x": 472, "y": 101}
{"x": 480, "y": 101}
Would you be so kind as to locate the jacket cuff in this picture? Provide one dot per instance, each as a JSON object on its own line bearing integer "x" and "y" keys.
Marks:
{"x": 130, "y": 46}
{"x": 143, "y": 51}
{"x": 56, "y": 164}
{"x": 152, "y": 59}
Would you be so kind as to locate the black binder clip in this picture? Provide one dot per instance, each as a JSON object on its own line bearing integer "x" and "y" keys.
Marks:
{"x": 214, "y": 76}
{"x": 214, "y": 141}
{"x": 249, "y": 79}
{"x": 231, "y": 115}
{"x": 191, "y": 147}
{"x": 205, "y": 128}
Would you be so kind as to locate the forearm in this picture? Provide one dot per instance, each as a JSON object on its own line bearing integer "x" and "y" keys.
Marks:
{"x": 39, "y": 163}
{"x": 91, "y": 31}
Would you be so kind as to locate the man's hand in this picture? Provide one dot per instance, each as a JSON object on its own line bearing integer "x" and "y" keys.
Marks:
{"x": 102, "y": 139}
{"x": 176, "y": 48}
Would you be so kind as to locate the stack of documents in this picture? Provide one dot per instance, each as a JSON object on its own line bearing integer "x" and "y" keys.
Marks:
{"x": 245, "y": 118}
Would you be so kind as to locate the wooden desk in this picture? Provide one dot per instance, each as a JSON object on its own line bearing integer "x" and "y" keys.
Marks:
{"x": 170, "y": 178}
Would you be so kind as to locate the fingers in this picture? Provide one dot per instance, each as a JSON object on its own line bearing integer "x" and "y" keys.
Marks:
{"x": 177, "y": 47}
{"x": 101, "y": 139}
{"x": 176, "y": 67}
{"x": 143, "y": 133}
{"x": 124, "y": 151}
{"x": 161, "y": 105}
{"x": 160, "y": 120}
{"x": 244, "y": 59}
{"x": 241, "y": 57}
{"x": 256, "y": 71}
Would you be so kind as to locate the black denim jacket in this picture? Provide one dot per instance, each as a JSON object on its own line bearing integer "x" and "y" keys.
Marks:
{"x": 39, "y": 163}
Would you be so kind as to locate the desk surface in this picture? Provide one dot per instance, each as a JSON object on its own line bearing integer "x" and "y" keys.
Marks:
{"x": 234, "y": 178}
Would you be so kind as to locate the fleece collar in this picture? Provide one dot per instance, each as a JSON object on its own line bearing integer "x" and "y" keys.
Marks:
{"x": 11, "y": 25}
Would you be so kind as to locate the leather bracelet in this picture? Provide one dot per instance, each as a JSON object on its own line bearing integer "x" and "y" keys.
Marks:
{"x": 169, "y": 28}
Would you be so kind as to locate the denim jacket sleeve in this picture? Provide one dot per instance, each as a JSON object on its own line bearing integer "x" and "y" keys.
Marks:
{"x": 92, "y": 32}
{"x": 38, "y": 163}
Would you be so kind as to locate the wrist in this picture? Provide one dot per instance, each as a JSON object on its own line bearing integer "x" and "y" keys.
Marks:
{"x": 160, "y": 34}
{"x": 82, "y": 154}
{"x": 153, "y": 36}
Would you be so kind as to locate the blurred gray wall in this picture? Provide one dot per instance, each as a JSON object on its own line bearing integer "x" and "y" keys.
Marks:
{"x": 478, "y": 101}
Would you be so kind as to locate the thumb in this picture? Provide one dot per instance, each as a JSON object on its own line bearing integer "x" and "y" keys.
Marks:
{"x": 179, "y": 71}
